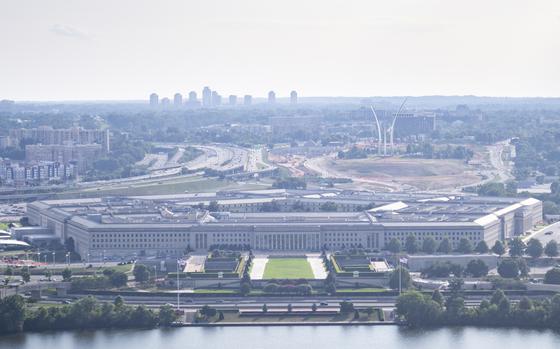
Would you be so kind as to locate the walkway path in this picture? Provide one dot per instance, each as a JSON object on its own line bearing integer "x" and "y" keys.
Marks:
{"x": 316, "y": 263}
{"x": 259, "y": 264}
{"x": 195, "y": 264}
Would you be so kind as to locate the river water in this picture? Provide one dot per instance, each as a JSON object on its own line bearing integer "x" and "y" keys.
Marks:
{"x": 295, "y": 337}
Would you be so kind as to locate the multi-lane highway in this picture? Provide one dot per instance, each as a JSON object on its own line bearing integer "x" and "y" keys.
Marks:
{"x": 190, "y": 301}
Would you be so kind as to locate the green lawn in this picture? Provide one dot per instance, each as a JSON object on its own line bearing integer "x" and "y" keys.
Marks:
{"x": 164, "y": 186}
{"x": 214, "y": 291}
{"x": 288, "y": 268}
{"x": 366, "y": 289}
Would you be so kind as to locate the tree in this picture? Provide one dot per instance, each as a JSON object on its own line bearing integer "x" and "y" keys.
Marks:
{"x": 118, "y": 302}
{"x": 329, "y": 206}
{"x": 245, "y": 288}
{"x": 405, "y": 279}
{"x": 213, "y": 206}
{"x": 314, "y": 307}
{"x": 523, "y": 267}
{"x": 264, "y": 308}
{"x": 289, "y": 308}
{"x": 525, "y": 304}
{"x": 394, "y": 245}
{"x": 517, "y": 247}
{"x": 429, "y": 245}
{"x": 166, "y": 315}
{"x": 437, "y": 297}
{"x": 497, "y": 297}
{"x": 66, "y": 274}
{"x": 9, "y": 271}
{"x": 442, "y": 269}
{"x": 552, "y": 276}
{"x": 118, "y": 279}
{"x": 465, "y": 246}
{"x": 456, "y": 284}
{"x": 477, "y": 268}
{"x": 411, "y": 245}
{"x": 207, "y": 312}
{"x": 445, "y": 246}
{"x": 534, "y": 248}
{"x": 418, "y": 310}
{"x": 48, "y": 275}
{"x": 508, "y": 268}
{"x": 551, "y": 249}
{"x": 141, "y": 273}
{"x": 549, "y": 207}
{"x": 499, "y": 248}
{"x": 481, "y": 247}
{"x": 346, "y": 307}
{"x": 12, "y": 314}
{"x": 25, "y": 276}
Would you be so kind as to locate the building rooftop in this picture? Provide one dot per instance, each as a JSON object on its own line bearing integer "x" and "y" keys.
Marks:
{"x": 389, "y": 209}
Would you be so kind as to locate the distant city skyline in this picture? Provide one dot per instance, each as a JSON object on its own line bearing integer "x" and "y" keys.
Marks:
{"x": 63, "y": 50}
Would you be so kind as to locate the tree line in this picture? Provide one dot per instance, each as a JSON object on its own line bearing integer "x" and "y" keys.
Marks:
{"x": 86, "y": 313}
{"x": 425, "y": 310}
{"x": 517, "y": 247}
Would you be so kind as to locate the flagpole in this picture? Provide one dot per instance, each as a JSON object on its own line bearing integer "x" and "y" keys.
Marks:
{"x": 177, "y": 284}
{"x": 400, "y": 274}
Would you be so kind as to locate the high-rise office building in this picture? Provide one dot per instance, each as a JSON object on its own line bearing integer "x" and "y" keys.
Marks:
{"x": 271, "y": 97}
{"x": 232, "y": 100}
{"x": 154, "y": 99}
{"x": 192, "y": 98}
{"x": 247, "y": 100}
{"x": 293, "y": 97}
{"x": 206, "y": 97}
{"x": 216, "y": 98}
{"x": 178, "y": 100}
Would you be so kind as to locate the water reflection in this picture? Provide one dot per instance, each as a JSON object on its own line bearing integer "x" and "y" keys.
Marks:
{"x": 386, "y": 337}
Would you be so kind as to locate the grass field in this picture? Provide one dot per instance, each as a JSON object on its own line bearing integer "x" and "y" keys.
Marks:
{"x": 366, "y": 289}
{"x": 164, "y": 186}
{"x": 288, "y": 268}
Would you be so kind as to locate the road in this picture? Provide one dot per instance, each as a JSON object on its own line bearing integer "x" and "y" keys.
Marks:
{"x": 187, "y": 301}
{"x": 544, "y": 235}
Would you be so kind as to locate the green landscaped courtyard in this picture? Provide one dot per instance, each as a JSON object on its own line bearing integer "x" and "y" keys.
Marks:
{"x": 288, "y": 268}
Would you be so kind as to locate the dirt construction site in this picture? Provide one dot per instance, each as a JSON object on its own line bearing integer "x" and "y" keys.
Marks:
{"x": 400, "y": 173}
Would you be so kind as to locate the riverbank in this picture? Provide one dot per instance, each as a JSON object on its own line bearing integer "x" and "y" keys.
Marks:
{"x": 286, "y": 323}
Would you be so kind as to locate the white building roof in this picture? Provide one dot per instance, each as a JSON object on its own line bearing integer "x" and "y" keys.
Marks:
{"x": 395, "y": 206}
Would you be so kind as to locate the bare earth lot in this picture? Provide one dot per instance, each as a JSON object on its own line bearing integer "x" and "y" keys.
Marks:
{"x": 422, "y": 174}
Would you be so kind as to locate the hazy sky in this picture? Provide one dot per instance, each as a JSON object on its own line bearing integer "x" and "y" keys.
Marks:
{"x": 116, "y": 49}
